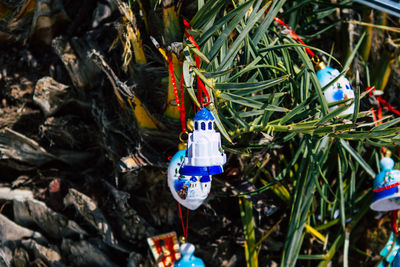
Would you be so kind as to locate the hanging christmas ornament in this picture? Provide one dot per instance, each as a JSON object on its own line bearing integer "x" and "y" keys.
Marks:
{"x": 189, "y": 190}
{"x": 188, "y": 259}
{"x": 204, "y": 155}
{"x": 165, "y": 248}
{"x": 386, "y": 187}
{"x": 341, "y": 89}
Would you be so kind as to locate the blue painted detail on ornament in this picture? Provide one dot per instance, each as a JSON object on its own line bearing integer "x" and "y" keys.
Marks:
{"x": 385, "y": 193}
{"x": 203, "y": 115}
{"x": 338, "y": 95}
{"x": 388, "y": 196}
{"x": 205, "y": 179}
{"x": 190, "y": 191}
{"x": 188, "y": 259}
{"x": 201, "y": 170}
{"x": 339, "y": 90}
{"x": 181, "y": 184}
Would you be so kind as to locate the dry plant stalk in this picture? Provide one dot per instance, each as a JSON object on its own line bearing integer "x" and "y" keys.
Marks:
{"x": 129, "y": 36}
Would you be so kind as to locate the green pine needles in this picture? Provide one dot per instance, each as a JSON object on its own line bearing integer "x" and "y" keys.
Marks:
{"x": 267, "y": 99}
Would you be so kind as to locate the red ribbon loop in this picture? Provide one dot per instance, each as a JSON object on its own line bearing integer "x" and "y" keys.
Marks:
{"x": 382, "y": 101}
{"x": 295, "y": 36}
{"x": 201, "y": 89}
{"x": 394, "y": 221}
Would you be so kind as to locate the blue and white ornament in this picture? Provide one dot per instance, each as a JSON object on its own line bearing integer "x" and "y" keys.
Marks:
{"x": 204, "y": 154}
{"x": 189, "y": 172}
{"x": 188, "y": 259}
{"x": 189, "y": 190}
{"x": 341, "y": 89}
{"x": 386, "y": 187}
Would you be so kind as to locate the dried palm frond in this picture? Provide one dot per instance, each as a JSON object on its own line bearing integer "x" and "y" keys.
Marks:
{"x": 129, "y": 36}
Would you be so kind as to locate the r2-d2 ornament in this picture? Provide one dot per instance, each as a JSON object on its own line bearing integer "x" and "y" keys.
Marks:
{"x": 341, "y": 89}
{"x": 386, "y": 187}
{"x": 189, "y": 190}
{"x": 204, "y": 155}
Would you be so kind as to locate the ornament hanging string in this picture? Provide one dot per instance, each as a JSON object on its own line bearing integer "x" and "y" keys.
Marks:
{"x": 394, "y": 221}
{"x": 200, "y": 85}
{"x": 184, "y": 231}
{"x": 295, "y": 36}
{"x": 377, "y": 119}
{"x": 382, "y": 101}
{"x": 180, "y": 103}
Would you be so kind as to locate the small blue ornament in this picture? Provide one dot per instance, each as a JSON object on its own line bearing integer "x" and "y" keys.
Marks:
{"x": 386, "y": 187}
{"x": 188, "y": 259}
{"x": 341, "y": 89}
{"x": 190, "y": 191}
{"x": 204, "y": 154}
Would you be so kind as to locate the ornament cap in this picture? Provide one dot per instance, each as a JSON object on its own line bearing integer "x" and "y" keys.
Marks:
{"x": 318, "y": 64}
{"x": 190, "y": 125}
{"x": 203, "y": 114}
{"x": 182, "y": 146}
{"x": 386, "y": 164}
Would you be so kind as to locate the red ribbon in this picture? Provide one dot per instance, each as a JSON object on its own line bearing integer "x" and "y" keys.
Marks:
{"x": 185, "y": 232}
{"x": 179, "y": 104}
{"x": 200, "y": 85}
{"x": 295, "y": 36}
{"x": 181, "y": 108}
{"x": 382, "y": 102}
{"x": 386, "y": 105}
{"x": 394, "y": 221}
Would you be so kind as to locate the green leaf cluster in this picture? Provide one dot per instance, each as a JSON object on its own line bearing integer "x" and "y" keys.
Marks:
{"x": 263, "y": 84}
